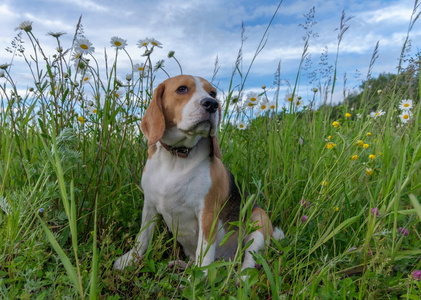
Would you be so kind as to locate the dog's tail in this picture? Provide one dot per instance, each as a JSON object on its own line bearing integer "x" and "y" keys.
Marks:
{"x": 278, "y": 234}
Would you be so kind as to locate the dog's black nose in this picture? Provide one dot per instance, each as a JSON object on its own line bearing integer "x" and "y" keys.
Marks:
{"x": 210, "y": 104}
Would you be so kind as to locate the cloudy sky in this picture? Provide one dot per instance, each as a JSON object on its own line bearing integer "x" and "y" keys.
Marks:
{"x": 199, "y": 31}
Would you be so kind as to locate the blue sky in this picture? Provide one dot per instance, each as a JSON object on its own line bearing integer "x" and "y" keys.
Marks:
{"x": 199, "y": 31}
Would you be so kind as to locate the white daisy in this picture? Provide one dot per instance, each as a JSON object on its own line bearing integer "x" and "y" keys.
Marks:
{"x": 272, "y": 105}
{"x": 119, "y": 93}
{"x": 379, "y": 113}
{"x": 143, "y": 43}
{"x": 241, "y": 125}
{"x": 405, "y": 116}
{"x": 159, "y": 65}
{"x": 298, "y": 101}
{"x": 81, "y": 64}
{"x": 155, "y": 43}
{"x": 117, "y": 42}
{"x": 405, "y": 104}
{"x": 249, "y": 104}
{"x": 86, "y": 77}
{"x": 56, "y": 34}
{"x": 84, "y": 46}
{"x": 25, "y": 25}
{"x": 76, "y": 56}
{"x": 264, "y": 106}
{"x": 252, "y": 99}
{"x": 91, "y": 110}
{"x": 4, "y": 66}
{"x": 289, "y": 98}
{"x": 138, "y": 67}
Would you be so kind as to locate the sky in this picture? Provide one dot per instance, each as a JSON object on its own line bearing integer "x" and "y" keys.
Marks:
{"x": 200, "y": 31}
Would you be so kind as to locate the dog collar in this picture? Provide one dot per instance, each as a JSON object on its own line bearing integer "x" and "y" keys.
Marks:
{"x": 182, "y": 152}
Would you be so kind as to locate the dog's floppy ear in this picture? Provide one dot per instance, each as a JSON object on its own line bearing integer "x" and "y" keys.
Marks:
{"x": 215, "y": 147}
{"x": 215, "y": 143}
{"x": 153, "y": 122}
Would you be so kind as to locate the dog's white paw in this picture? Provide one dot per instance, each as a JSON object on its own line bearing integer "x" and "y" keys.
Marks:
{"x": 179, "y": 264}
{"x": 278, "y": 234}
{"x": 128, "y": 259}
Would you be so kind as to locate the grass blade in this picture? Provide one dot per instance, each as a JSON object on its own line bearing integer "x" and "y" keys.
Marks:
{"x": 63, "y": 257}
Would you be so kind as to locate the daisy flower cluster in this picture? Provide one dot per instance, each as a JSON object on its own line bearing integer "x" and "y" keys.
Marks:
{"x": 405, "y": 107}
{"x": 83, "y": 47}
{"x": 261, "y": 104}
{"x": 294, "y": 100}
{"x": 257, "y": 103}
{"x": 149, "y": 44}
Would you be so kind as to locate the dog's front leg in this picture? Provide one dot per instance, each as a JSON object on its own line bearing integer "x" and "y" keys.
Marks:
{"x": 142, "y": 241}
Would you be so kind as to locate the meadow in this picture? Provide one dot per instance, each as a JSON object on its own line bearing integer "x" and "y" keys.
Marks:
{"x": 342, "y": 181}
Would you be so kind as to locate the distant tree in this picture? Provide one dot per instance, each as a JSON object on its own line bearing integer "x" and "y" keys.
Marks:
{"x": 376, "y": 93}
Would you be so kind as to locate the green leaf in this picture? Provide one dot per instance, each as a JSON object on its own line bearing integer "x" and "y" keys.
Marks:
{"x": 415, "y": 204}
{"x": 63, "y": 257}
{"x": 330, "y": 233}
{"x": 94, "y": 272}
{"x": 226, "y": 237}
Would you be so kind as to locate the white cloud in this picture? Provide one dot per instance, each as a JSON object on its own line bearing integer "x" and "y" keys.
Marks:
{"x": 84, "y": 4}
{"x": 391, "y": 14}
{"x": 6, "y": 12}
{"x": 200, "y": 30}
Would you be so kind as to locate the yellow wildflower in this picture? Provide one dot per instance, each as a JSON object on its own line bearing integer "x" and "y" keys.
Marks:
{"x": 324, "y": 183}
{"x": 372, "y": 156}
{"x": 354, "y": 157}
{"x": 368, "y": 133}
{"x": 360, "y": 143}
{"x": 365, "y": 146}
{"x": 81, "y": 120}
{"x": 348, "y": 115}
{"x": 369, "y": 171}
{"x": 335, "y": 124}
{"x": 330, "y": 145}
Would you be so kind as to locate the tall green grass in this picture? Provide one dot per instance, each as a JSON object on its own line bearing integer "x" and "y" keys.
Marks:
{"x": 72, "y": 157}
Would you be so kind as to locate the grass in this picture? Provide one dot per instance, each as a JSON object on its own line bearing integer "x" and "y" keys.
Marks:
{"x": 72, "y": 157}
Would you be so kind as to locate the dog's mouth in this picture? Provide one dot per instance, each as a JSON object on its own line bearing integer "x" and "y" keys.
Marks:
{"x": 202, "y": 128}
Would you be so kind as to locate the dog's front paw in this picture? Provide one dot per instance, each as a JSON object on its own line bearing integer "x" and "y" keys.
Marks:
{"x": 179, "y": 264}
{"x": 128, "y": 259}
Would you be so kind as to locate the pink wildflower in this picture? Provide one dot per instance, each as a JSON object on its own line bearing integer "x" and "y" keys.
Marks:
{"x": 304, "y": 203}
{"x": 403, "y": 231}
{"x": 375, "y": 212}
{"x": 417, "y": 275}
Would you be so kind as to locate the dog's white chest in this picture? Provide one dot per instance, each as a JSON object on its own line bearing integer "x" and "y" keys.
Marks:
{"x": 177, "y": 191}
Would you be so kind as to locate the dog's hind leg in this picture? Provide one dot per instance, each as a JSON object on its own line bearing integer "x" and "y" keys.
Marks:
{"x": 260, "y": 237}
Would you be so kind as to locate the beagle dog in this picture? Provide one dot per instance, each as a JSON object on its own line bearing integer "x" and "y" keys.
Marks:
{"x": 185, "y": 181}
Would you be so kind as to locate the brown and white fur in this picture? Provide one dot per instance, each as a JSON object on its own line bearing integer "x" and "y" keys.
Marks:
{"x": 185, "y": 181}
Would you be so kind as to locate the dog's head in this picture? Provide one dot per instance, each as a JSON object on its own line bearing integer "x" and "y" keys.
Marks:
{"x": 183, "y": 110}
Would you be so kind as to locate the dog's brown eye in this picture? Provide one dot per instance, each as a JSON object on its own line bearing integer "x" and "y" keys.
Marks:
{"x": 182, "y": 90}
{"x": 212, "y": 94}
